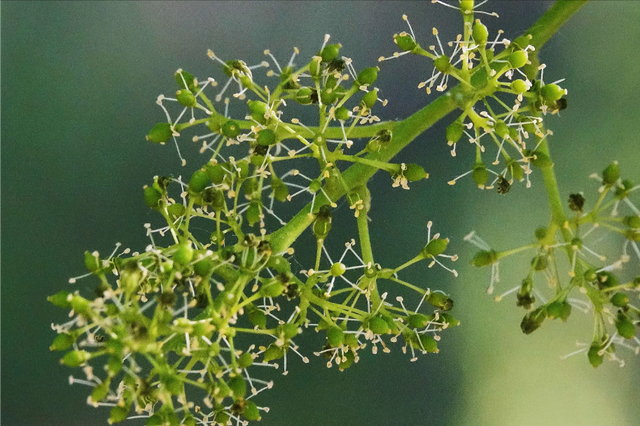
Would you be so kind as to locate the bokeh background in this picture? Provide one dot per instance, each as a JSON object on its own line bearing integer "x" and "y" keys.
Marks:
{"x": 79, "y": 81}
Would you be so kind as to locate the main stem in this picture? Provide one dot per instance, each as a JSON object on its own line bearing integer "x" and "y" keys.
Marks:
{"x": 405, "y": 131}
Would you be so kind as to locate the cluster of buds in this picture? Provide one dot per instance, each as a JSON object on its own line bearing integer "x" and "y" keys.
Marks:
{"x": 593, "y": 283}
{"x": 170, "y": 325}
{"x": 501, "y": 97}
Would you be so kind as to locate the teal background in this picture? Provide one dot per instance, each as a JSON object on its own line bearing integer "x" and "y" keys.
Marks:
{"x": 79, "y": 82}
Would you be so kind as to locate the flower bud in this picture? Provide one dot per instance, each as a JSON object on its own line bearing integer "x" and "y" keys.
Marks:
{"x": 518, "y": 59}
{"x": 198, "y": 182}
{"x": 231, "y": 129}
{"x": 257, "y": 317}
{"x": 440, "y": 301}
{"x": 435, "y": 247}
{"x": 519, "y": 86}
{"x": 484, "y": 258}
{"x": 322, "y": 224}
{"x": 367, "y": 76}
{"x": 480, "y": 33}
{"x": 595, "y": 358}
{"x": 632, "y": 222}
{"x": 552, "y": 92}
{"x": 442, "y": 64}
{"x": 404, "y": 41}
{"x": 160, "y": 133}
{"x": 625, "y": 326}
{"x": 343, "y": 114}
{"x": 415, "y": 172}
{"x": 455, "y": 131}
{"x": 272, "y": 288}
{"x": 304, "y": 95}
{"x": 620, "y": 300}
{"x": 370, "y": 98}
{"x": 75, "y": 358}
{"x": 273, "y": 352}
{"x": 186, "y": 98}
{"x": 118, "y": 414}
{"x": 62, "y": 342}
{"x": 378, "y": 325}
{"x": 330, "y": 52}
{"x": 335, "y": 336}
{"x": 183, "y": 254}
{"x": 611, "y": 174}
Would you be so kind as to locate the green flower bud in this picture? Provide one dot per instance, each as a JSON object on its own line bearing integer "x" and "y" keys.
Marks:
{"x": 62, "y": 342}
{"x": 60, "y": 299}
{"x": 466, "y": 5}
{"x": 245, "y": 360}
{"x": 216, "y": 173}
{"x": 118, "y": 414}
{"x": 442, "y": 64}
{"x": 257, "y": 318}
{"x": 518, "y": 59}
{"x": 595, "y": 359}
{"x": 172, "y": 384}
{"x": 79, "y": 304}
{"x": 315, "y": 69}
{"x": 480, "y": 175}
{"x": 625, "y": 326}
{"x": 330, "y": 52}
{"x": 415, "y": 172}
{"x": 327, "y": 96}
{"x": 335, "y": 336}
{"x": 552, "y": 92}
{"x": 370, "y": 98}
{"x": 418, "y": 320}
{"x": 100, "y": 392}
{"x": 484, "y": 258}
{"x": 186, "y": 98}
{"x": 198, "y": 182}
{"x": 75, "y": 358}
{"x": 231, "y": 129}
{"x": 449, "y": 319}
{"x": 611, "y": 174}
{"x": 435, "y": 247}
{"x": 183, "y": 254}
{"x": 480, "y": 33}
{"x": 519, "y": 86}
{"x": 337, "y": 269}
{"x": 516, "y": 170}
{"x": 152, "y": 197}
{"x": 455, "y": 131}
{"x": 279, "y": 189}
{"x": 160, "y": 133}
{"x": 367, "y": 76}
{"x": 501, "y": 129}
{"x": 342, "y": 113}
{"x": 633, "y": 235}
{"x": 288, "y": 330}
{"x": 554, "y": 309}
{"x": 253, "y": 213}
{"x": 404, "y": 41}
{"x": 540, "y": 262}
{"x": 91, "y": 261}
{"x": 540, "y": 233}
{"x": 378, "y": 325}
{"x": 304, "y": 95}
{"x": 632, "y": 222}
{"x": 440, "y": 301}
{"x": 176, "y": 209}
{"x": 257, "y": 107}
{"x": 606, "y": 279}
{"x": 428, "y": 343}
{"x": 540, "y": 159}
{"x": 203, "y": 267}
{"x": 533, "y": 320}
{"x": 251, "y": 411}
{"x": 322, "y": 224}
{"x": 182, "y": 76}
{"x": 272, "y": 288}
{"x": 346, "y": 361}
{"x": 272, "y": 352}
{"x": 620, "y": 300}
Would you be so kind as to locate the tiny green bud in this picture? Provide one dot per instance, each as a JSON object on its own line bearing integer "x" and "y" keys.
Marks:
{"x": 231, "y": 129}
{"x": 370, "y": 98}
{"x": 620, "y": 300}
{"x": 62, "y": 342}
{"x": 245, "y": 360}
{"x": 78, "y": 303}
{"x": 595, "y": 358}
{"x": 75, "y": 358}
{"x": 435, "y": 247}
{"x": 540, "y": 262}
{"x": 100, "y": 392}
{"x": 343, "y": 114}
{"x": 183, "y": 254}
{"x": 428, "y": 343}
{"x": 540, "y": 233}
{"x": 484, "y": 258}
{"x": 60, "y": 299}
{"x": 152, "y": 197}
{"x": 466, "y": 5}
{"x": 480, "y": 175}
{"x": 303, "y": 95}
{"x": 330, "y": 52}
{"x": 322, "y": 224}
{"x": 186, "y": 98}
{"x": 327, "y": 96}
{"x": 176, "y": 209}
{"x": 625, "y": 326}
{"x": 518, "y": 59}
{"x": 91, "y": 261}
{"x": 367, "y": 76}
{"x": 480, "y": 33}
{"x": 378, "y": 325}
{"x": 552, "y": 92}
{"x": 519, "y": 86}
{"x": 611, "y": 174}
{"x": 418, "y": 320}
{"x": 272, "y": 352}
{"x": 203, "y": 267}
{"x": 337, "y": 269}
{"x": 272, "y": 288}
{"x": 501, "y": 129}
{"x": 253, "y": 213}
{"x": 257, "y": 107}
{"x": 257, "y": 318}
{"x": 198, "y": 182}
{"x": 415, "y": 172}
{"x": 251, "y": 411}
{"x": 455, "y": 131}
{"x": 404, "y": 41}
{"x": 632, "y": 222}
{"x": 440, "y": 301}
{"x": 160, "y": 133}
{"x": 335, "y": 336}
{"x": 216, "y": 173}
{"x": 315, "y": 68}
{"x": 118, "y": 414}
{"x": 442, "y": 64}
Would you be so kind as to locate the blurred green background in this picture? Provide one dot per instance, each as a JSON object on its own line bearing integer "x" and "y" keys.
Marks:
{"x": 79, "y": 81}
